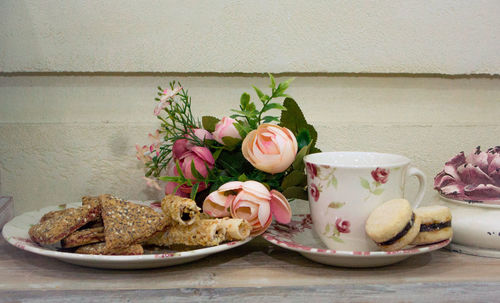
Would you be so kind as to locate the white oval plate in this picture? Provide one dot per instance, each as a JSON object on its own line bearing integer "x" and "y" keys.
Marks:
{"x": 299, "y": 236}
{"x": 16, "y": 233}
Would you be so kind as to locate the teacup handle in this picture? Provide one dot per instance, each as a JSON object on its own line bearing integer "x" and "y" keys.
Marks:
{"x": 413, "y": 171}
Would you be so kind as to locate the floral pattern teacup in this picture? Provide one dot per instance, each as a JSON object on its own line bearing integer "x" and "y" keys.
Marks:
{"x": 344, "y": 188}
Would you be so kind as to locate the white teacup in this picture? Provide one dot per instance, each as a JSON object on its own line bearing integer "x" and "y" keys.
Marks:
{"x": 344, "y": 188}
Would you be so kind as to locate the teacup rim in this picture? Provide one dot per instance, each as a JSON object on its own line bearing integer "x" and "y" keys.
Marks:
{"x": 403, "y": 162}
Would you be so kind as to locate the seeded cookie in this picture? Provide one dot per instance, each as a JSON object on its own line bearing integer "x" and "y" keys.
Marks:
{"x": 127, "y": 223}
{"x": 436, "y": 224}
{"x": 393, "y": 225}
{"x": 84, "y": 237}
{"x": 100, "y": 249}
{"x": 52, "y": 214}
{"x": 66, "y": 222}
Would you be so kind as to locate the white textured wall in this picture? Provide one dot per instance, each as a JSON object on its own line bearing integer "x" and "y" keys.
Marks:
{"x": 63, "y": 136}
{"x": 355, "y": 36}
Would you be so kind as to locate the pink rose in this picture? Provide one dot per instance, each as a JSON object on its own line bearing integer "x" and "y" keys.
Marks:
{"x": 182, "y": 146}
{"x": 186, "y": 153}
{"x": 226, "y": 128}
{"x": 270, "y": 148}
{"x": 314, "y": 191}
{"x": 380, "y": 175}
{"x": 343, "y": 226}
{"x": 312, "y": 170}
{"x": 251, "y": 201}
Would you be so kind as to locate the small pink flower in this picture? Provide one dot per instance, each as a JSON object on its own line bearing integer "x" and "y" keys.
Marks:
{"x": 312, "y": 170}
{"x": 380, "y": 175}
{"x": 226, "y": 128}
{"x": 343, "y": 225}
{"x": 168, "y": 94}
{"x": 140, "y": 153}
{"x": 152, "y": 183}
{"x": 314, "y": 191}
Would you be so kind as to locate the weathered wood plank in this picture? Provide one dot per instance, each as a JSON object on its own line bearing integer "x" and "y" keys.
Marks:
{"x": 257, "y": 264}
{"x": 418, "y": 292}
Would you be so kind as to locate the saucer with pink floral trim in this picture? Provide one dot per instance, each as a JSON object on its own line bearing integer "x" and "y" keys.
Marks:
{"x": 298, "y": 235}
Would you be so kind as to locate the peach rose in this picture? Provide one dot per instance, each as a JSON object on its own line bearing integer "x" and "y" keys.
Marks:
{"x": 270, "y": 148}
{"x": 251, "y": 201}
{"x": 225, "y": 128}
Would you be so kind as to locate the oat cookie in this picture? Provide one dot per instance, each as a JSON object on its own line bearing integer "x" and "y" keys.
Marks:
{"x": 66, "y": 222}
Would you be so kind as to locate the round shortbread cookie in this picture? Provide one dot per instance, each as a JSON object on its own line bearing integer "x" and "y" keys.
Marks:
{"x": 436, "y": 224}
{"x": 433, "y": 236}
{"x": 393, "y": 225}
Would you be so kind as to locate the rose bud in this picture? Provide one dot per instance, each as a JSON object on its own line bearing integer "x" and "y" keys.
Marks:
{"x": 225, "y": 128}
{"x": 270, "y": 148}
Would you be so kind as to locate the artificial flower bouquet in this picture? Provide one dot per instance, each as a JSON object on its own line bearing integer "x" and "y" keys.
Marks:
{"x": 245, "y": 165}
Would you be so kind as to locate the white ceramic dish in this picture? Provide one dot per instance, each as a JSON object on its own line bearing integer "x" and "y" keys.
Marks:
{"x": 16, "y": 233}
{"x": 476, "y": 227}
{"x": 299, "y": 236}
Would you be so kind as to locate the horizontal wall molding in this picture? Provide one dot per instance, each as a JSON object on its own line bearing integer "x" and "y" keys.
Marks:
{"x": 446, "y": 37}
{"x": 240, "y": 74}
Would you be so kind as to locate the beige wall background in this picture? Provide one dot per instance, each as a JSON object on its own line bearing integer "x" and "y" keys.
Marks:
{"x": 78, "y": 78}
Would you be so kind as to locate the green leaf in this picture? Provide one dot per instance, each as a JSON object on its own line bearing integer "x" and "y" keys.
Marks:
{"x": 194, "y": 190}
{"x": 295, "y": 192}
{"x": 282, "y": 87}
{"x": 365, "y": 183}
{"x": 303, "y": 138}
{"x": 333, "y": 181}
{"x": 327, "y": 229}
{"x": 230, "y": 143}
{"x": 295, "y": 178}
{"x": 209, "y": 123}
{"x": 378, "y": 191}
{"x": 336, "y": 204}
{"x": 169, "y": 179}
{"x": 294, "y": 120}
{"x": 268, "y": 119}
{"x": 336, "y": 239}
{"x": 179, "y": 170}
{"x": 273, "y": 82}
{"x": 244, "y": 100}
{"x": 261, "y": 95}
{"x": 242, "y": 130}
{"x": 298, "y": 163}
{"x": 195, "y": 172}
{"x": 270, "y": 106}
{"x": 242, "y": 178}
{"x": 216, "y": 154}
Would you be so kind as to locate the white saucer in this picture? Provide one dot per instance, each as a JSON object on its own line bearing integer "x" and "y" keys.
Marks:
{"x": 299, "y": 236}
{"x": 16, "y": 233}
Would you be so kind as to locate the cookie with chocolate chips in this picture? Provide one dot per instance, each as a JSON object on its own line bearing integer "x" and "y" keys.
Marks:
{"x": 393, "y": 225}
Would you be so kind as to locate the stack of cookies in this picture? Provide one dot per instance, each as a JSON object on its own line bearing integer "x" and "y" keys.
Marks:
{"x": 103, "y": 225}
{"x": 393, "y": 225}
{"x": 106, "y": 225}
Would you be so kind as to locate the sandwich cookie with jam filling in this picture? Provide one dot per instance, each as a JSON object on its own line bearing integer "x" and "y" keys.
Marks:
{"x": 436, "y": 224}
{"x": 393, "y": 225}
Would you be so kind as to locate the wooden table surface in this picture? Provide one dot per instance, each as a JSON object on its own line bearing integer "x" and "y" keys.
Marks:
{"x": 257, "y": 271}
